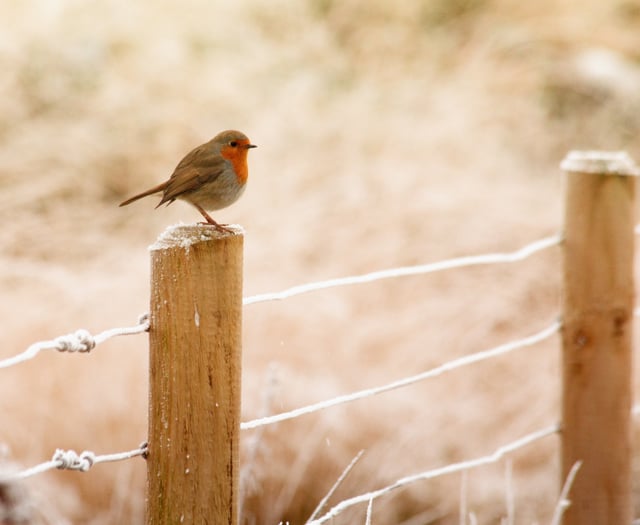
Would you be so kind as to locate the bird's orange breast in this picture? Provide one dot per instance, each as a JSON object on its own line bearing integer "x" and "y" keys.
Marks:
{"x": 238, "y": 159}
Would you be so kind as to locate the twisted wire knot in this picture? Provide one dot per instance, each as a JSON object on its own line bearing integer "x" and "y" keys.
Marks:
{"x": 79, "y": 341}
{"x": 70, "y": 460}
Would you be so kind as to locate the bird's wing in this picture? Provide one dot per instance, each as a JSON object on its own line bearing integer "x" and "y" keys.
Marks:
{"x": 190, "y": 176}
{"x": 192, "y": 157}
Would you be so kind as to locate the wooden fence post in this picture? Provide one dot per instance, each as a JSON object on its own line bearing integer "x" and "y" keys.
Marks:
{"x": 195, "y": 357}
{"x": 598, "y": 303}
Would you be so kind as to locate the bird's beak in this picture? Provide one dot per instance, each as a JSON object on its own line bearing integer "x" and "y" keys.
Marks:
{"x": 251, "y": 146}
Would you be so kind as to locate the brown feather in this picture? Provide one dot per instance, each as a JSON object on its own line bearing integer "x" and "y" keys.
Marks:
{"x": 191, "y": 177}
{"x": 155, "y": 189}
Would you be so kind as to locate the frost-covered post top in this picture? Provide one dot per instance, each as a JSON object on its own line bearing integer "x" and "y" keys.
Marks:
{"x": 602, "y": 162}
{"x": 186, "y": 235}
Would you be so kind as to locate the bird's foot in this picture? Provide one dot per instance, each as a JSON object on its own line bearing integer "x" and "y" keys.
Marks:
{"x": 222, "y": 228}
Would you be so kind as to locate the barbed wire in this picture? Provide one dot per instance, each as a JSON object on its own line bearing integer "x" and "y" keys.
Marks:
{"x": 458, "y": 262}
{"x": 496, "y": 456}
{"x": 78, "y": 341}
{"x": 82, "y": 340}
{"x": 71, "y": 460}
{"x": 434, "y": 473}
{"x": 446, "y": 367}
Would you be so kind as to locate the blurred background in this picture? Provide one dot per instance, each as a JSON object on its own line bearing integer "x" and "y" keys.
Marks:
{"x": 389, "y": 133}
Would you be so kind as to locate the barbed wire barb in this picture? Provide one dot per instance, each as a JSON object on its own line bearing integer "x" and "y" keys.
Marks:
{"x": 78, "y": 341}
{"x": 71, "y": 460}
{"x": 458, "y": 262}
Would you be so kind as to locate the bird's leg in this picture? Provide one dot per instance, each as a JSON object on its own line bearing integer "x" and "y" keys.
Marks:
{"x": 211, "y": 222}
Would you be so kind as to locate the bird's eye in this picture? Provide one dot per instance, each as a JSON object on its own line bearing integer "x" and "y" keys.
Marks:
{"x": 233, "y": 144}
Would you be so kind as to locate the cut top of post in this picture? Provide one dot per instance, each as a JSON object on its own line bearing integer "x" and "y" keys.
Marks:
{"x": 186, "y": 235}
{"x": 600, "y": 162}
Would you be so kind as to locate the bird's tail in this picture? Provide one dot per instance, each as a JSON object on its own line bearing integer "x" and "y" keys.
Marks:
{"x": 155, "y": 189}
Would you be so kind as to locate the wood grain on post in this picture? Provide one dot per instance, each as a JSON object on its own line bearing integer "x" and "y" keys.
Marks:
{"x": 598, "y": 304}
{"x": 195, "y": 358}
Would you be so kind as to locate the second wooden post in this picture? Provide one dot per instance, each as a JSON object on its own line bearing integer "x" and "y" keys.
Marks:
{"x": 195, "y": 359}
{"x": 598, "y": 304}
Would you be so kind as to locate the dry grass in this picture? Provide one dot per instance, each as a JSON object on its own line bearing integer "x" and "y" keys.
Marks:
{"x": 388, "y": 136}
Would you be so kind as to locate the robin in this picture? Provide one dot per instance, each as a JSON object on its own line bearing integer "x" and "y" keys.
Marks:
{"x": 211, "y": 177}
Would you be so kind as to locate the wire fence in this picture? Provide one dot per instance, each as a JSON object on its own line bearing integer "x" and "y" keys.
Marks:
{"x": 429, "y": 374}
{"x": 499, "y": 453}
{"x": 79, "y": 341}
{"x": 82, "y": 341}
{"x": 71, "y": 460}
